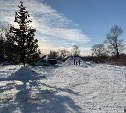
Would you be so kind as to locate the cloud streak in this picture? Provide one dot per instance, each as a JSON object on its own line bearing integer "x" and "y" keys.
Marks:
{"x": 53, "y": 29}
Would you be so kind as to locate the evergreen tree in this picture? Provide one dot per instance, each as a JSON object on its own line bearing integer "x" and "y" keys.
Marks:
{"x": 21, "y": 45}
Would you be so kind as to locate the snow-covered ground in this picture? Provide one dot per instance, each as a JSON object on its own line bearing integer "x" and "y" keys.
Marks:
{"x": 63, "y": 89}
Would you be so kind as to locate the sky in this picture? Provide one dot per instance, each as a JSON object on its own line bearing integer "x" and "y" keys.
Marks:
{"x": 60, "y": 24}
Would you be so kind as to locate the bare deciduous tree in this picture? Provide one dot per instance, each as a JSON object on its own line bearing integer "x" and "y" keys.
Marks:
{"x": 98, "y": 50}
{"x": 53, "y": 55}
{"x": 114, "y": 44}
{"x": 63, "y": 53}
{"x": 75, "y": 50}
{"x": 4, "y": 29}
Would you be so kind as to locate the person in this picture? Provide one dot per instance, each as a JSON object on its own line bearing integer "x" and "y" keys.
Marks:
{"x": 74, "y": 61}
{"x": 79, "y": 62}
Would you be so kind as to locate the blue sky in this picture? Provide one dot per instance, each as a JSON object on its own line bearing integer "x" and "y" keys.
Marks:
{"x": 94, "y": 17}
{"x": 63, "y": 23}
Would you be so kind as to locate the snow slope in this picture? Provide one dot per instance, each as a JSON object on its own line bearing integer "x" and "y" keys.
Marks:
{"x": 63, "y": 89}
{"x": 70, "y": 62}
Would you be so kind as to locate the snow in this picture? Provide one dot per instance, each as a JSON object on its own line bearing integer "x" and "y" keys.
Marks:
{"x": 70, "y": 61}
{"x": 66, "y": 88}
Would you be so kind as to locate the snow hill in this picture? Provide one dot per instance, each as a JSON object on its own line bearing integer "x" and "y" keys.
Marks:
{"x": 70, "y": 61}
{"x": 63, "y": 89}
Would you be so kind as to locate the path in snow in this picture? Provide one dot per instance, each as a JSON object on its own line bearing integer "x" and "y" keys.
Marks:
{"x": 65, "y": 89}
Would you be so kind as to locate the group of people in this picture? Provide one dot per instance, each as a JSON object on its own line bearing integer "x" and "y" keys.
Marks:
{"x": 76, "y": 62}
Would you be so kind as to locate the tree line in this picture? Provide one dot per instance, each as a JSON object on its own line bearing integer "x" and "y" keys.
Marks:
{"x": 112, "y": 46}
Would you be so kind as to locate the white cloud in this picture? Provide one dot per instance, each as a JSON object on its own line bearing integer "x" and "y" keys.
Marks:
{"x": 53, "y": 29}
{"x": 85, "y": 51}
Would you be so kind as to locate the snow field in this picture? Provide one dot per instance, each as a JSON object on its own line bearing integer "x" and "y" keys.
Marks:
{"x": 63, "y": 89}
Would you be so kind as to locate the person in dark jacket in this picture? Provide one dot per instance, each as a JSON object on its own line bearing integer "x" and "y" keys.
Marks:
{"x": 74, "y": 61}
{"x": 79, "y": 62}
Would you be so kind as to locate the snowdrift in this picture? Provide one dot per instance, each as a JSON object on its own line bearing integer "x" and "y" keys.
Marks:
{"x": 70, "y": 61}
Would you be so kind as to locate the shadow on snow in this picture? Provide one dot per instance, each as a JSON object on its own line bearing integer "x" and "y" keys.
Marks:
{"x": 31, "y": 99}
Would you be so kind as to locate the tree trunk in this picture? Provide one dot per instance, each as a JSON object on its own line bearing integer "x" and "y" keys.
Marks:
{"x": 117, "y": 51}
{"x": 117, "y": 54}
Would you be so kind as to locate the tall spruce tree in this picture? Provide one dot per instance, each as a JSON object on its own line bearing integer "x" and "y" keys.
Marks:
{"x": 21, "y": 45}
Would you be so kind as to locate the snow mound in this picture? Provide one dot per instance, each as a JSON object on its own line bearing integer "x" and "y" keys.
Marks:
{"x": 25, "y": 74}
{"x": 70, "y": 61}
